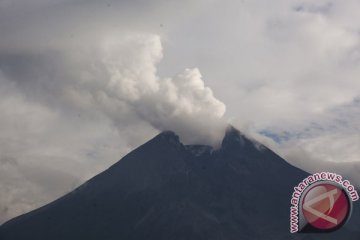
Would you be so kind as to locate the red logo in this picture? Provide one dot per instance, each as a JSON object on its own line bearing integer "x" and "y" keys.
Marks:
{"x": 326, "y": 207}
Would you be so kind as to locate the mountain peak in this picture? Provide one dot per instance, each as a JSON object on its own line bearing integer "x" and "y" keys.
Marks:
{"x": 233, "y": 138}
{"x": 231, "y": 130}
{"x": 169, "y": 135}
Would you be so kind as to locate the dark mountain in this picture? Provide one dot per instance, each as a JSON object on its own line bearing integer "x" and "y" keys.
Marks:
{"x": 165, "y": 190}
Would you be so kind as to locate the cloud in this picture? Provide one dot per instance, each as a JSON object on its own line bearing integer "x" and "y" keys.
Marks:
{"x": 118, "y": 79}
{"x": 287, "y": 68}
{"x": 331, "y": 142}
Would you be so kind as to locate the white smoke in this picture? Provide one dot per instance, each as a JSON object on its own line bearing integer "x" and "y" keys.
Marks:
{"x": 118, "y": 79}
{"x": 182, "y": 103}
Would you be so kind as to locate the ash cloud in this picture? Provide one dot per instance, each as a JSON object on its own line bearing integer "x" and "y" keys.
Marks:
{"x": 118, "y": 78}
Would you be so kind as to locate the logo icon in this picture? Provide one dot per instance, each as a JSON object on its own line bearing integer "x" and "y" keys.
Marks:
{"x": 325, "y": 207}
{"x": 322, "y": 202}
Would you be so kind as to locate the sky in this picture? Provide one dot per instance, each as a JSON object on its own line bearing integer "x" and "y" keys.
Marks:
{"x": 85, "y": 82}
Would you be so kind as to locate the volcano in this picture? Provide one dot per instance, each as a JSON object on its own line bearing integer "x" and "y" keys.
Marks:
{"x": 165, "y": 190}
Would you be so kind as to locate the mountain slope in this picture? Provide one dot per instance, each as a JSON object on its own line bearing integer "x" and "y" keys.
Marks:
{"x": 165, "y": 190}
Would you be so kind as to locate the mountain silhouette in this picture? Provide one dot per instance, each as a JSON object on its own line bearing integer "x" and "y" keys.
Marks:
{"x": 164, "y": 190}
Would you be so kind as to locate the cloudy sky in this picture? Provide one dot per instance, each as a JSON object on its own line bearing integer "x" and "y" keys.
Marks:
{"x": 82, "y": 83}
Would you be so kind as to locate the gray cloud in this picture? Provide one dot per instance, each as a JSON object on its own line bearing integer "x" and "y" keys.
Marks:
{"x": 118, "y": 79}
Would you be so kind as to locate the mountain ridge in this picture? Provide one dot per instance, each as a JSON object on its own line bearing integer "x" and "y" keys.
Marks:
{"x": 167, "y": 190}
